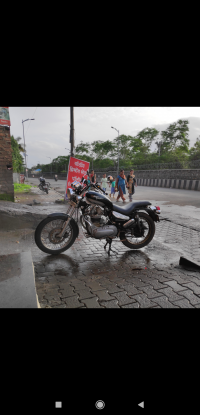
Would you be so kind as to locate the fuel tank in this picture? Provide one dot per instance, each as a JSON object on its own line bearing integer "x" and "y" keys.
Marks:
{"x": 94, "y": 198}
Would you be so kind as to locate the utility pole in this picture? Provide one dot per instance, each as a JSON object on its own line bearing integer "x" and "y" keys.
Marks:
{"x": 72, "y": 130}
{"x": 117, "y": 147}
{"x": 28, "y": 119}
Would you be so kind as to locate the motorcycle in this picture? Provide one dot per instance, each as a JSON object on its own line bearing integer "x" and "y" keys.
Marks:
{"x": 102, "y": 219}
{"x": 93, "y": 211}
{"x": 44, "y": 186}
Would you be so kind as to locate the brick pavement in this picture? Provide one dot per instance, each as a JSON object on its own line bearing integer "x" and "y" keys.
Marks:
{"x": 86, "y": 277}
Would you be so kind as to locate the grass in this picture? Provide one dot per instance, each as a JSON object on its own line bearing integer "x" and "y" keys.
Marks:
{"x": 20, "y": 188}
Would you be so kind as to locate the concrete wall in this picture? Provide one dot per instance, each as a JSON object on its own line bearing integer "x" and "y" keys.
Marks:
{"x": 6, "y": 176}
{"x": 170, "y": 183}
{"x": 16, "y": 178}
{"x": 181, "y": 174}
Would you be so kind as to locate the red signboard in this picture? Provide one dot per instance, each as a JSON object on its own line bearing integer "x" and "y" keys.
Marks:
{"x": 76, "y": 170}
{"x": 4, "y": 116}
{"x": 22, "y": 177}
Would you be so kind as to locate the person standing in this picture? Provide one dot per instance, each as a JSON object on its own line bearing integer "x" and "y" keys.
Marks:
{"x": 92, "y": 176}
{"x": 131, "y": 184}
{"x": 120, "y": 186}
{"x": 113, "y": 188}
{"x": 104, "y": 182}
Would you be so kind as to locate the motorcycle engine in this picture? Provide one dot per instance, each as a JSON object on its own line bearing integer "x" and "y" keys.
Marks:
{"x": 97, "y": 216}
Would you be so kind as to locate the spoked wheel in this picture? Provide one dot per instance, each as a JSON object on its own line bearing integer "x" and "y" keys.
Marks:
{"x": 135, "y": 238}
{"x": 46, "y": 235}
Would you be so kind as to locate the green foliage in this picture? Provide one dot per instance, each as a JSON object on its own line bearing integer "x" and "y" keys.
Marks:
{"x": 7, "y": 197}
{"x": 134, "y": 150}
{"x": 176, "y": 135}
{"x": 20, "y": 187}
{"x": 195, "y": 151}
{"x": 17, "y": 159}
{"x": 148, "y": 135}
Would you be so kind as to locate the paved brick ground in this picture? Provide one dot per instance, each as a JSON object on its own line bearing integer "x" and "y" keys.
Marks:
{"x": 86, "y": 277}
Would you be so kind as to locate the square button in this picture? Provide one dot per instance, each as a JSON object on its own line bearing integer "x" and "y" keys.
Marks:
{"x": 58, "y": 404}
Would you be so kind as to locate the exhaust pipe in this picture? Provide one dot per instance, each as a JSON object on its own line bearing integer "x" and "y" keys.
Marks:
{"x": 129, "y": 223}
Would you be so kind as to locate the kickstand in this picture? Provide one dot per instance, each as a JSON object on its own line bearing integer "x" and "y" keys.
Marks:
{"x": 109, "y": 241}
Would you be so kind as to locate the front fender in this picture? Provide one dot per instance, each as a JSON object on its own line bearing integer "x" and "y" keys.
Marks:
{"x": 64, "y": 216}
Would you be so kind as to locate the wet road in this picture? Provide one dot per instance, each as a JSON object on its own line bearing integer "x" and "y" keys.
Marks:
{"x": 179, "y": 197}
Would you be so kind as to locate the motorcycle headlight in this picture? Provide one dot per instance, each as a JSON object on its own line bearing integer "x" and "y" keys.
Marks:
{"x": 69, "y": 193}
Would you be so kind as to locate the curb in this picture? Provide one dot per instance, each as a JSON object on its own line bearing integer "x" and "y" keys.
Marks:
{"x": 189, "y": 262}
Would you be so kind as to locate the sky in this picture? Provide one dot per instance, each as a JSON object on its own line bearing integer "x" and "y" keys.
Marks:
{"x": 48, "y": 135}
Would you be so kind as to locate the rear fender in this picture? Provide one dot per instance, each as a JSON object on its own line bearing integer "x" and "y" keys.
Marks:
{"x": 153, "y": 215}
{"x": 64, "y": 216}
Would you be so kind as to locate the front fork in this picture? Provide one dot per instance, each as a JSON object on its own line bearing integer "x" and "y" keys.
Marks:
{"x": 70, "y": 212}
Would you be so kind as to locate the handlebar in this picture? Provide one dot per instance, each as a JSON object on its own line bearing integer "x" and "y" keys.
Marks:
{"x": 81, "y": 190}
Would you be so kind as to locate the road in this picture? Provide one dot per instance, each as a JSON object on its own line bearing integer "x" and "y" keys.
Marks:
{"x": 166, "y": 196}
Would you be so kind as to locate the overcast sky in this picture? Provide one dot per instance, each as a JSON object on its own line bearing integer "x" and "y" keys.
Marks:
{"x": 48, "y": 135}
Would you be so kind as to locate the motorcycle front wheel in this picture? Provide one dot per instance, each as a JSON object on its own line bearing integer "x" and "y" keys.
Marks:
{"x": 46, "y": 235}
{"x": 133, "y": 239}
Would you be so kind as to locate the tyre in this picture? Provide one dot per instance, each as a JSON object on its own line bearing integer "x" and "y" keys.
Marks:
{"x": 46, "y": 235}
{"x": 47, "y": 191}
{"x": 133, "y": 239}
{"x": 40, "y": 187}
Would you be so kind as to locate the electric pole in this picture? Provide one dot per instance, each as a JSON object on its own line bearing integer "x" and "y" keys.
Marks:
{"x": 72, "y": 130}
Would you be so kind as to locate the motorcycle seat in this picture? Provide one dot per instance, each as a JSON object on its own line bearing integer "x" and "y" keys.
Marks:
{"x": 127, "y": 209}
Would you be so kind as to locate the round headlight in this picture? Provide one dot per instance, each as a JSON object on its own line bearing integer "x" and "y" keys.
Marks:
{"x": 69, "y": 192}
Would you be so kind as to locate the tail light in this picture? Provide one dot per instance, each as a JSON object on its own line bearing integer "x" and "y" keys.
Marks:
{"x": 158, "y": 209}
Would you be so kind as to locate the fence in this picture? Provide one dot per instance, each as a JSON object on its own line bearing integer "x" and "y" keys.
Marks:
{"x": 186, "y": 164}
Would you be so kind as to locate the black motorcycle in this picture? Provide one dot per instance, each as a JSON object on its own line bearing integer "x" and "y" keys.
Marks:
{"x": 134, "y": 228}
{"x": 44, "y": 186}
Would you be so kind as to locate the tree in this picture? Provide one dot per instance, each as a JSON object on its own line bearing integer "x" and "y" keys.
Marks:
{"x": 101, "y": 149}
{"x": 195, "y": 151}
{"x": 17, "y": 159}
{"x": 176, "y": 135}
{"x": 148, "y": 135}
{"x": 83, "y": 148}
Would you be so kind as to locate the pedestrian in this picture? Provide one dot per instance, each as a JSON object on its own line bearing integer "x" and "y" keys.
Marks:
{"x": 120, "y": 186}
{"x": 113, "y": 188}
{"x": 92, "y": 176}
{"x": 104, "y": 182}
{"x": 110, "y": 179}
{"x": 131, "y": 184}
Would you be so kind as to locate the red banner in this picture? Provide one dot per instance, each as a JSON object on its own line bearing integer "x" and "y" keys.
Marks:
{"x": 76, "y": 170}
{"x": 4, "y": 116}
{"x": 22, "y": 177}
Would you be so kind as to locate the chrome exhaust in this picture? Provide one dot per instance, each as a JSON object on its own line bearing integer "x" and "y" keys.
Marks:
{"x": 129, "y": 223}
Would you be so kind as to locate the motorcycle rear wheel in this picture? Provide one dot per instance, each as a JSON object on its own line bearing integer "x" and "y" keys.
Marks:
{"x": 52, "y": 226}
{"x": 147, "y": 238}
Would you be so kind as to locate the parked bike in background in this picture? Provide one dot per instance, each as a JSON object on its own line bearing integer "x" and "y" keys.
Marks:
{"x": 44, "y": 186}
